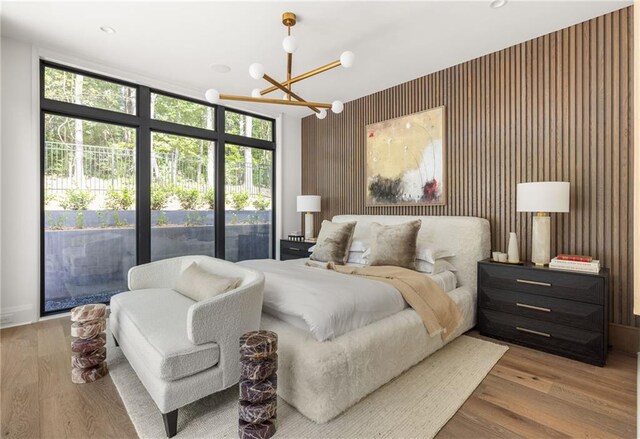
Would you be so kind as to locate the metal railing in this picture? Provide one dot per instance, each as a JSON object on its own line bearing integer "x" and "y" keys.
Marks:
{"x": 105, "y": 168}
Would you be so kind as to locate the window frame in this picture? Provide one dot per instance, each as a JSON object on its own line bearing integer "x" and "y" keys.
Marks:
{"x": 144, "y": 126}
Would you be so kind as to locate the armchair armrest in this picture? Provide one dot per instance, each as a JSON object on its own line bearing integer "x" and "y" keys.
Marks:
{"x": 224, "y": 318}
{"x": 159, "y": 274}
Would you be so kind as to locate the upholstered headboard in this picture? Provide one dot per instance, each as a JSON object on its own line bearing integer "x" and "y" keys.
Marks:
{"x": 469, "y": 237}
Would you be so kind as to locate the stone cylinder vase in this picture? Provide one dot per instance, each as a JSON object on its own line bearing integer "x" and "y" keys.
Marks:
{"x": 513, "y": 252}
{"x": 258, "y": 384}
{"x": 88, "y": 348}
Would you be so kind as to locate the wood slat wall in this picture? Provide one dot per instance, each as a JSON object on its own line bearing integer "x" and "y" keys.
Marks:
{"x": 559, "y": 107}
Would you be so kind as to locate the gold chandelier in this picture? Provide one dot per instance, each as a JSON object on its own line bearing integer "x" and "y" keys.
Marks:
{"x": 256, "y": 71}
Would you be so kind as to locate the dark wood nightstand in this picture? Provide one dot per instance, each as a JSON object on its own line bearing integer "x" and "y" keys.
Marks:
{"x": 561, "y": 312}
{"x": 294, "y": 249}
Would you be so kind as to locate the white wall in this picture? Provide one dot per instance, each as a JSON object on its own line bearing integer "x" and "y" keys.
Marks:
{"x": 20, "y": 174}
{"x": 20, "y": 186}
{"x": 291, "y": 169}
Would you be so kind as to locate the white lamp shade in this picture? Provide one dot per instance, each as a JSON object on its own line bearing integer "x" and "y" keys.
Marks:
{"x": 543, "y": 196}
{"x": 308, "y": 203}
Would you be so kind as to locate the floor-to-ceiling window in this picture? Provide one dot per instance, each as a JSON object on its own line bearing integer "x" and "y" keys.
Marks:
{"x": 132, "y": 175}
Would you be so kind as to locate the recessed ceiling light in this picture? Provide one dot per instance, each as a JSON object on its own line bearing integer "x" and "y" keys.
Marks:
{"x": 220, "y": 68}
{"x": 495, "y": 4}
{"x": 107, "y": 29}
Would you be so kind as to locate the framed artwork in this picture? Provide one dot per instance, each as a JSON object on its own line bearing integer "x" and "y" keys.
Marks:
{"x": 405, "y": 160}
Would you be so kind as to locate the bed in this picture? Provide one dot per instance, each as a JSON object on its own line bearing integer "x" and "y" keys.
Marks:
{"x": 324, "y": 372}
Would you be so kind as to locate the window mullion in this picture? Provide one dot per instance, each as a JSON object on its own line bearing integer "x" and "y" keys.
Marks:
{"x": 143, "y": 178}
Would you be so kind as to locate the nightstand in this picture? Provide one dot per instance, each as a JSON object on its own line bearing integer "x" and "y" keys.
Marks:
{"x": 294, "y": 249}
{"x": 561, "y": 312}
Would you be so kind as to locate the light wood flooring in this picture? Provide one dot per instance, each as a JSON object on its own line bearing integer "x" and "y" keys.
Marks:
{"x": 527, "y": 394}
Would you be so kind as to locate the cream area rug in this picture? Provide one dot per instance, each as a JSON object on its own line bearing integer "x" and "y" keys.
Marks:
{"x": 417, "y": 404}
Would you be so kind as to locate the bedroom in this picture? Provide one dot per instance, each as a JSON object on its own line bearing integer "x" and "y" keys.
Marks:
{"x": 126, "y": 126}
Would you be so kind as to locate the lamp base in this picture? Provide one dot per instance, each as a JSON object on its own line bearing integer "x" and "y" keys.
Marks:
{"x": 308, "y": 225}
{"x": 541, "y": 240}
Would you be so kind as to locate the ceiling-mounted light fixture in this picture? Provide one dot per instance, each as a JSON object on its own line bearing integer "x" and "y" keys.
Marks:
{"x": 495, "y": 4}
{"x": 107, "y": 29}
{"x": 256, "y": 71}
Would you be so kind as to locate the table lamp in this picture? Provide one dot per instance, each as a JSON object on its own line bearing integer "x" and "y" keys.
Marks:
{"x": 542, "y": 197}
{"x": 308, "y": 204}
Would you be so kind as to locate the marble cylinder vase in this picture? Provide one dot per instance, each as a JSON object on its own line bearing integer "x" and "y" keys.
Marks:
{"x": 258, "y": 384}
{"x": 89, "y": 340}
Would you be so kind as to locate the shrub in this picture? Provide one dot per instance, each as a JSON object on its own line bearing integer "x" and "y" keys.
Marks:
{"x": 162, "y": 219}
{"x": 80, "y": 220}
{"x": 160, "y": 197}
{"x": 120, "y": 200}
{"x": 210, "y": 198}
{"x": 48, "y": 197}
{"x": 102, "y": 220}
{"x": 261, "y": 202}
{"x": 56, "y": 223}
{"x": 189, "y": 198}
{"x": 240, "y": 200}
{"x": 117, "y": 221}
{"x": 76, "y": 199}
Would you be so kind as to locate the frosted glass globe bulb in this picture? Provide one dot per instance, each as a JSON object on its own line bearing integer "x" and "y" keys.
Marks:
{"x": 212, "y": 95}
{"x": 256, "y": 70}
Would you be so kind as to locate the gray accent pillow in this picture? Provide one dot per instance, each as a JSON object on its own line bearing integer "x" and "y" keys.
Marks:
{"x": 198, "y": 284}
{"x": 394, "y": 244}
{"x": 334, "y": 241}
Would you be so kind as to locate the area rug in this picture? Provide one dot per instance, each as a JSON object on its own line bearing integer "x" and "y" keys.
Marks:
{"x": 417, "y": 404}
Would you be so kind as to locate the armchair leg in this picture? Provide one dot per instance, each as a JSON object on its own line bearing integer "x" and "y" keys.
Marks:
{"x": 171, "y": 423}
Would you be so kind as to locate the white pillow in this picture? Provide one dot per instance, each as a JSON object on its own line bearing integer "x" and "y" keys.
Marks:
{"x": 440, "y": 266}
{"x": 357, "y": 258}
{"x": 430, "y": 252}
{"x": 358, "y": 246}
{"x": 198, "y": 284}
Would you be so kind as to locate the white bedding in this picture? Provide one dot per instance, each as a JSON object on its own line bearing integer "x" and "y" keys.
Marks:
{"x": 326, "y": 303}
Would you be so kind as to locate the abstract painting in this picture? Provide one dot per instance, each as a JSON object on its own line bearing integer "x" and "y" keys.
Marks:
{"x": 405, "y": 160}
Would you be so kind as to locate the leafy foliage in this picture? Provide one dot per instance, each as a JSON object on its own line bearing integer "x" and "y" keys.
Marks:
{"x": 56, "y": 223}
{"x": 160, "y": 196}
{"x": 239, "y": 200}
{"x": 80, "y": 220}
{"x": 261, "y": 202}
{"x": 210, "y": 198}
{"x": 120, "y": 200}
{"x": 189, "y": 198}
{"x": 76, "y": 199}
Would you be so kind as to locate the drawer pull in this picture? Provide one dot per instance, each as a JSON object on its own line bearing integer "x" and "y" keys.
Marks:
{"x": 294, "y": 249}
{"x": 533, "y": 282}
{"x": 537, "y": 308}
{"x": 531, "y": 331}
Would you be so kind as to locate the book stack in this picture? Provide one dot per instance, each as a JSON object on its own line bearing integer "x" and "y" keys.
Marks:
{"x": 575, "y": 263}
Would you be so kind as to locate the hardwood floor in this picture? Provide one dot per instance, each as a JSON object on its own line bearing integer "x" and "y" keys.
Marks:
{"x": 38, "y": 398}
{"x": 527, "y": 394}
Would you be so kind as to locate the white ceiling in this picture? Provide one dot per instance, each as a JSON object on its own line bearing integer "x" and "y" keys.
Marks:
{"x": 177, "y": 42}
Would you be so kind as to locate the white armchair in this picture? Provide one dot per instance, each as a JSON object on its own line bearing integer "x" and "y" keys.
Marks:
{"x": 180, "y": 349}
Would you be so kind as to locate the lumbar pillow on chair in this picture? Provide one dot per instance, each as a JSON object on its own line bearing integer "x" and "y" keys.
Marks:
{"x": 198, "y": 284}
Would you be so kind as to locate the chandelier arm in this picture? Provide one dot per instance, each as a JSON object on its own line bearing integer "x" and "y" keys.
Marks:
{"x": 274, "y": 101}
{"x": 289, "y": 64}
{"x": 286, "y": 90}
{"x": 306, "y": 75}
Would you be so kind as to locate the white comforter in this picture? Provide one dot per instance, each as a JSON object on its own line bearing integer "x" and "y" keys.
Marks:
{"x": 323, "y": 302}
{"x": 327, "y": 303}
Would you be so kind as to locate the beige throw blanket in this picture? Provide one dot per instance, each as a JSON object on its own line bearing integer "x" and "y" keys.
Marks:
{"x": 437, "y": 310}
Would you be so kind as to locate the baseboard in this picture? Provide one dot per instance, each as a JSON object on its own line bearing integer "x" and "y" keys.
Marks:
{"x": 624, "y": 338}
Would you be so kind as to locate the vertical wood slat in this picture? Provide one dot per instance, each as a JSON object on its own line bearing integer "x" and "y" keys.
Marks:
{"x": 557, "y": 107}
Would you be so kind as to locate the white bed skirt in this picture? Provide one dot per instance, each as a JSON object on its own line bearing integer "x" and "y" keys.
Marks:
{"x": 323, "y": 379}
